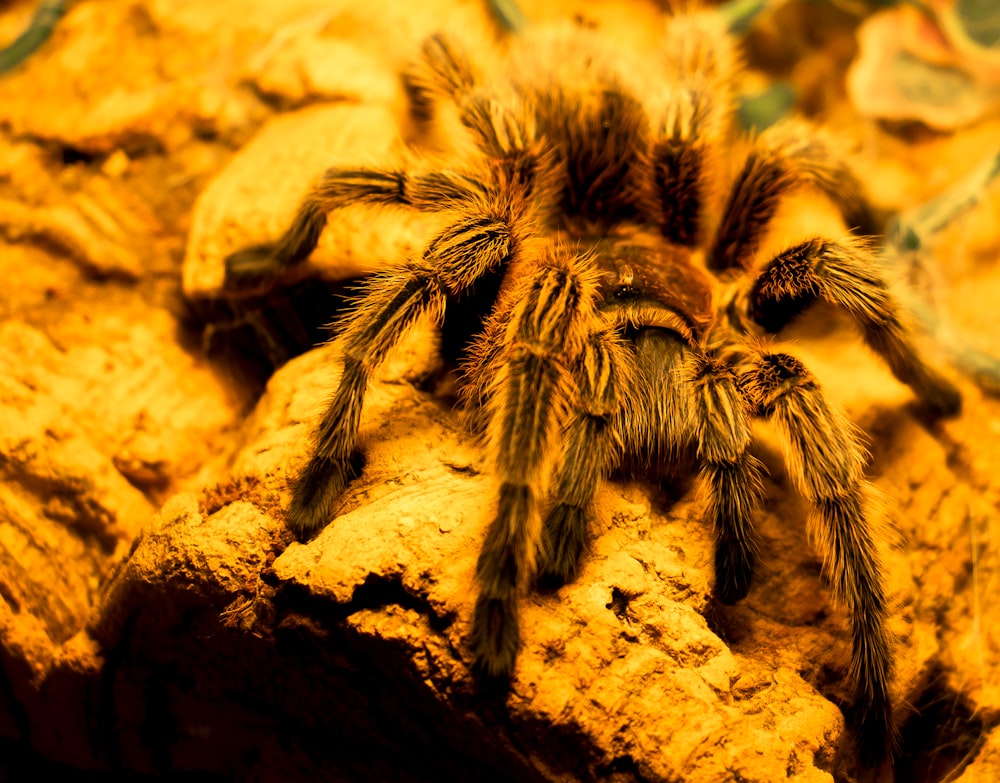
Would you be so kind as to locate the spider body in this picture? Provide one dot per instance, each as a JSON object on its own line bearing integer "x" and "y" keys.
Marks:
{"x": 598, "y": 338}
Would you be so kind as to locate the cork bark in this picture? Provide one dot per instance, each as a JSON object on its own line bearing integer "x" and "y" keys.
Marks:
{"x": 156, "y": 616}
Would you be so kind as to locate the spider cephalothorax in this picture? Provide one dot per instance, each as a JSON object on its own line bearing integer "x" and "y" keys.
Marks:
{"x": 579, "y": 224}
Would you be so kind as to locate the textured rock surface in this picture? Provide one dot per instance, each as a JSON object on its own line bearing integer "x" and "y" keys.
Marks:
{"x": 155, "y": 614}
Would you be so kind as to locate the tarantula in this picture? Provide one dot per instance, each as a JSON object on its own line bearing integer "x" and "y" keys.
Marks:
{"x": 584, "y": 260}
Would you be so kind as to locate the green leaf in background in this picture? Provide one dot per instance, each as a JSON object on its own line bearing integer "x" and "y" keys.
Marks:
{"x": 509, "y": 14}
{"x": 740, "y": 14}
{"x": 763, "y": 109}
{"x": 981, "y": 20}
{"x": 38, "y": 32}
{"x": 908, "y": 241}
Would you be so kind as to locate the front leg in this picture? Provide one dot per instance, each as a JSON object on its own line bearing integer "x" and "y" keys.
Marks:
{"x": 826, "y": 463}
{"x": 528, "y": 397}
{"x": 252, "y": 270}
{"x": 605, "y": 375}
{"x": 732, "y": 476}
{"x": 391, "y": 304}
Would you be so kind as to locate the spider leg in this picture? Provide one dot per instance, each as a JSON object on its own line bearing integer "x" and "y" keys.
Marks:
{"x": 443, "y": 71}
{"x": 848, "y": 275}
{"x": 603, "y": 372}
{"x": 826, "y": 463}
{"x": 250, "y": 269}
{"x": 701, "y": 54}
{"x": 698, "y": 46}
{"x": 503, "y": 133}
{"x": 731, "y": 474}
{"x": 784, "y": 157}
{"x": 392, "y": 302}
{"x": 528, "y": 405}
{"x": 681, "y": 166}
{"x": 446, "y": 71}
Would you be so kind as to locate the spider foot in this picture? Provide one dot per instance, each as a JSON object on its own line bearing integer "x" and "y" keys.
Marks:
{"x": 876, "y": 732}
{"x": 252, "y": 270}
{"x": 733, "y": 572}
{"x": 495, "y": 637}
{"x": 315, "y": 491}
{"x": 565, "y": 541}
{"x": 942, "y": 397}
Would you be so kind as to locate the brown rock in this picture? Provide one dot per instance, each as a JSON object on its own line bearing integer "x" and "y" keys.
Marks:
{"x": 387, "y": 589}
{"x": 203, "y": 638}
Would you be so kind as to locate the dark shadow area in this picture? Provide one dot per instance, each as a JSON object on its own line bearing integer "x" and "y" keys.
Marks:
{"x": 941, "y": 738}
{"x": 251, "y": 337}
{"x": 20, "y": 763}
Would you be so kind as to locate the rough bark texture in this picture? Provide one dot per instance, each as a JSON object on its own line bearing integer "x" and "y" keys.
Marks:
{"x": 157, "y": 617}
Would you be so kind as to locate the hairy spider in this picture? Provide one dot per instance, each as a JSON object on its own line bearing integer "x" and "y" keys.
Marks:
{"x": 588, "y": 234}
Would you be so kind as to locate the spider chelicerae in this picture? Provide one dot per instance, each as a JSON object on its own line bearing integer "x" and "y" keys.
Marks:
{"x": 600, "y": 270}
